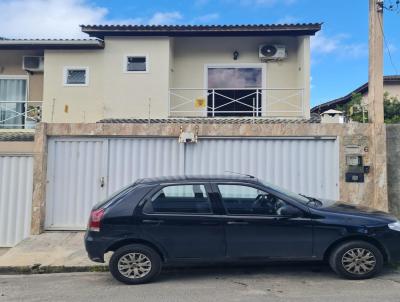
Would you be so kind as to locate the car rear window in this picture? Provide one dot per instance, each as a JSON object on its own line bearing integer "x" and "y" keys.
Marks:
{"x": 184, "y": 199}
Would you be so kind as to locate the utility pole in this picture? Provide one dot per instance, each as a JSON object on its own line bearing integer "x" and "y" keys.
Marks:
{"x": 375, "y": 89}
{"x": 377, "y": 152}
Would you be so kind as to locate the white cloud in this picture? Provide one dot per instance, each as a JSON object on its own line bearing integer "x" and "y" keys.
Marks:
{"x": 267, "y": 2}
{"x": 287, "y": 20}
{"x": 61, "y": 19}
{"x": 165, "y": 18}
{"x": 337, "y": 45}
{"x": 206, "y": 18}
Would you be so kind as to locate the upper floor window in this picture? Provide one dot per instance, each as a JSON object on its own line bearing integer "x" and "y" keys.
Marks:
{"x": 185, "y": 199}
{"x": 76, "y": 76}
{"x": 136, "y": 63}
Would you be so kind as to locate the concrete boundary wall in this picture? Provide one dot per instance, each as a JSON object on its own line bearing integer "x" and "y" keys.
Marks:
{"x": 393, "y": 168}
{"x": 373, "y": 192}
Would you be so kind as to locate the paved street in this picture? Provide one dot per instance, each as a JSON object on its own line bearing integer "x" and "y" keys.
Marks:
{"x": 270, "y": 283}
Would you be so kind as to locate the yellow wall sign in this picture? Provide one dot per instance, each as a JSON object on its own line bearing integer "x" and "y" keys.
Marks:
{"x": 200, "y": 103}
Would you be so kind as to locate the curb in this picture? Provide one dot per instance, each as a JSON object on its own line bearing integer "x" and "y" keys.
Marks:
{"x": 47, "y": 269}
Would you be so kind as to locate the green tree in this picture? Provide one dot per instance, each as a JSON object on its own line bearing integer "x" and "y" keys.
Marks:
{"x": 358, "y": 112}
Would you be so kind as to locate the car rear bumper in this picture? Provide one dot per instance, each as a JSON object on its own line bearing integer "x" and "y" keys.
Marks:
{"x": 95, "y": 248}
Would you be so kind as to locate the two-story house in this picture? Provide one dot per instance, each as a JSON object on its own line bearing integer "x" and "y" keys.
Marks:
{"x": 113, "y": 107}
{"x": 130, "y": 71}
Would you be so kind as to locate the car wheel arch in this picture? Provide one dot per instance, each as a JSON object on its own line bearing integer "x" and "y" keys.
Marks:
{"x": 370, "y": 240}
{"x": 124, "y": 242}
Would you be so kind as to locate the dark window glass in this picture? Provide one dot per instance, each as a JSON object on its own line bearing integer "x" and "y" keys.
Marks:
{"x": 187, "y": 199}
{"x": 76, "y": 76}
{"x": 244, "y": 200}
{"x": 136, "y": 64}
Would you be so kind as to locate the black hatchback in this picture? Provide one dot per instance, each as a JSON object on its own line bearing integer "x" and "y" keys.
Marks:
{"x": 209, "y": 219}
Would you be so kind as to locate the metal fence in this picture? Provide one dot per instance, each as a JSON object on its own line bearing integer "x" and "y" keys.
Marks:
{"x": 250, "y": 102}
{"x": 19, "y": 114}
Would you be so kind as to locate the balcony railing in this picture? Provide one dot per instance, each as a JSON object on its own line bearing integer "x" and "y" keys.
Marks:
{"x": 231, "y": 102}
{"x": 19, "y": 114}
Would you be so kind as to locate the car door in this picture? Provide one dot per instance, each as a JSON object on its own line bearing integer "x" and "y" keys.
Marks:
{"x": 181, "y": 219}
{"x": 254, "y": 229}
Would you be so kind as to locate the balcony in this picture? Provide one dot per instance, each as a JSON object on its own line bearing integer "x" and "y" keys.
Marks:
{"x": 237, "y": 102}
{"x": 19, "y": 114}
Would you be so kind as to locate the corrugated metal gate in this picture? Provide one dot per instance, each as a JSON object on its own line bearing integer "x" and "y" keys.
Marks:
{"x": 15, "y": 198}
{"x": 83, "y": 171}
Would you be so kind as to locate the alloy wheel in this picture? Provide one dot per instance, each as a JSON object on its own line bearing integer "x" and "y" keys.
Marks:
{"x": 358, "y": 261}
{"x": 134, "y": 265}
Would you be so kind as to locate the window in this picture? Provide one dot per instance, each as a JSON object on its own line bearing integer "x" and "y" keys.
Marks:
{"x": 136, "y": 63}
{"x": 244, "y": 200}
{"x": 187, "y": 199}
{"x": 76, "y": 76}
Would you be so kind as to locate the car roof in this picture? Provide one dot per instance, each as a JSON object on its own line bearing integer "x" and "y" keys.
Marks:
{"x": 204, "y": 178}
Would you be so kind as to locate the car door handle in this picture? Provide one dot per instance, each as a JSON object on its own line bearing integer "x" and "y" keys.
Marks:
{"x": 152, "y": 221}
{"x": 237, "y": 222}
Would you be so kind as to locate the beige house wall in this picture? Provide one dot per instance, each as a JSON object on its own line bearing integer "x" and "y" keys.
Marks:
{"x": 111, "y": 92}
{"x": 392, "y": 88}
{"x": 192, "y": 55}
{"x": 173, "y": 63}
{"x": 11, "y": 64}
{"x": 15, "y": 148}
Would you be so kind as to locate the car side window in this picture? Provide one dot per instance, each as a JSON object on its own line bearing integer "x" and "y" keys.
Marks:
{"x": 184, "y": 199}
{"x": 246, "y": 200}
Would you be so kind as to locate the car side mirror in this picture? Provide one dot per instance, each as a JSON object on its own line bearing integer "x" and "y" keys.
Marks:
{"x": 290, "y": 211}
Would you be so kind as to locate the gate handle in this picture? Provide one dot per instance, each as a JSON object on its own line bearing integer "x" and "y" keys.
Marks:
{"x": 102, "y": 182}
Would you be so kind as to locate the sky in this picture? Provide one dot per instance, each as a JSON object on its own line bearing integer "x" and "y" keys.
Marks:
{"x": 339, "y": 52}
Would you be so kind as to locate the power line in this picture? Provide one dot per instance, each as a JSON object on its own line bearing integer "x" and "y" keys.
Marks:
{"x": 387, "y": 47}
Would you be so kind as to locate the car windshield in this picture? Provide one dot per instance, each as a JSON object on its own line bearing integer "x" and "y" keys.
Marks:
{"x": 301, "y": 198}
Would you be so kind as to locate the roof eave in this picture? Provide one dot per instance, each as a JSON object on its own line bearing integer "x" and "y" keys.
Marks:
{"x": 41, "y": 45}
{"x": 193, "y": 31}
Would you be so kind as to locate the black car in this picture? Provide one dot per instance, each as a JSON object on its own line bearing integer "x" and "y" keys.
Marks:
{"x": 208, "y": 219}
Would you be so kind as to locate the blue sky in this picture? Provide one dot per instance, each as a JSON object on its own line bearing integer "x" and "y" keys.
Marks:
{"x": 339, "y": 51}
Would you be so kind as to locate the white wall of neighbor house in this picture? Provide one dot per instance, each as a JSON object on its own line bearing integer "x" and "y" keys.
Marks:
{"x": 191, "y": 55}
{"x": 11, "y": 64}
{"x": 111, "y": 91}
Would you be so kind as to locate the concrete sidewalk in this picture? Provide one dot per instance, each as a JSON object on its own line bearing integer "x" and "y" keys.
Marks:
{"x": 50, "y": 249}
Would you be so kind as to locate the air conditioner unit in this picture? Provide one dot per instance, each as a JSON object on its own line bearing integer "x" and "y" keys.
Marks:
{"x": 268, "y": 52}
{"x": 33, "y": 63}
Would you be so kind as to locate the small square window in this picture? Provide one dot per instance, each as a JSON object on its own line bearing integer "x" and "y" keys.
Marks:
{"x": 76, "y": 76}
{"x": 136, "y": 63}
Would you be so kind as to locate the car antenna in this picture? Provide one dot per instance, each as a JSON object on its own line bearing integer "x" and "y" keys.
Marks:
{"x": 243, "y": 174}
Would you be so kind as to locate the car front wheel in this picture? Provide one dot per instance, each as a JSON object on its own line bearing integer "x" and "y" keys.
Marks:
{"x": 356, "y": 260}
{"x": 135, "y": 264}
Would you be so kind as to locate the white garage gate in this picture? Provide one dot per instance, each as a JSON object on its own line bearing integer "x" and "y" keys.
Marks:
{"x": 15, "y": 198}
{"x": 82, "y": 171}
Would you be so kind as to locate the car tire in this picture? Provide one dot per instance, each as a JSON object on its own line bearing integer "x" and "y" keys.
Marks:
{"x": 135, "y": 264}
{"x": 356, "y": 260}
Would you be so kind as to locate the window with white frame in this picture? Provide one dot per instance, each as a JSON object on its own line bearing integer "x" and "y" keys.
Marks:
{"x": 136, "y": 63}
{"x": 76, "y": 76}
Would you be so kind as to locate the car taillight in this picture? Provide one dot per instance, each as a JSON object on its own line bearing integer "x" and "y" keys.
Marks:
{"x": 95, "y": 220}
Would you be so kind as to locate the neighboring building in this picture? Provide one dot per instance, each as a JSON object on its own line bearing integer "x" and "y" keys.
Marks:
{"x": 332, "y": 116}
{"x": 131, "y": 71}
{"x": 391, "y": 85}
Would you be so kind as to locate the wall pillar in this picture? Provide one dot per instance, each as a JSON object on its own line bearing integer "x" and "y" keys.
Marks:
{"x": 39, "y": 179}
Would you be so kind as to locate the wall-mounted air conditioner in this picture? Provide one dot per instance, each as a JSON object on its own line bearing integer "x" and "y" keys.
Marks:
{"x": 269, "y": 52}
{"x": 33, "y": 63}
